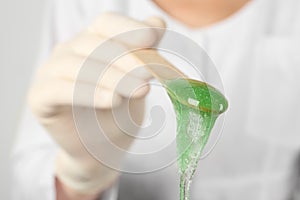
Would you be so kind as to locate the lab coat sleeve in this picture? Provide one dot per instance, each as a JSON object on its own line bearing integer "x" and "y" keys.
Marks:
{"x": 34, "y": 150}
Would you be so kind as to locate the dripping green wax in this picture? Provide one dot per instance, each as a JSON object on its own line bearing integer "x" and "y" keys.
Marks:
{"x": 197, "y": 106}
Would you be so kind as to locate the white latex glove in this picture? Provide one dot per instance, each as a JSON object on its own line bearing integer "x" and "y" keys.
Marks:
{"x": 51, "y": 98}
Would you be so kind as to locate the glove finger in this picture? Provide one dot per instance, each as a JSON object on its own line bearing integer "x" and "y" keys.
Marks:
{"x": 158, "y": 24}
{"x": 111, "y": 24}
{"x": 124, "y": 83}
{"x": 97, "y": 74}
{"x": 46, "y": 96}
{"x": 108, "y": 51}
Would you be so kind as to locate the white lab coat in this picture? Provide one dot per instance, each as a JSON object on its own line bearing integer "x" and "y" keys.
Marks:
{"x": 256, "y": 52}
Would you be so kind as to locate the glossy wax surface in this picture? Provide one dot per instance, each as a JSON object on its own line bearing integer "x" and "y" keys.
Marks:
{"x": 197, "y": 106}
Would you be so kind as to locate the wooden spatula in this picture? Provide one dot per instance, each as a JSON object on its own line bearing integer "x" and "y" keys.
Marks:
{"x": 158, "y": 66}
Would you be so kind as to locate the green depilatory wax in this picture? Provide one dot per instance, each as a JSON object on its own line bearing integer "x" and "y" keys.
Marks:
{"x": 197, "y": 106}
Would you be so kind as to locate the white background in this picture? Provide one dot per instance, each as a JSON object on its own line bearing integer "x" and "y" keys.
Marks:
{"x": 20, "y": 23}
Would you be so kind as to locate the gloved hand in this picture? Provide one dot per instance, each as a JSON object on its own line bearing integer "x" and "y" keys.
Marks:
{"x": 51, "y": 98}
